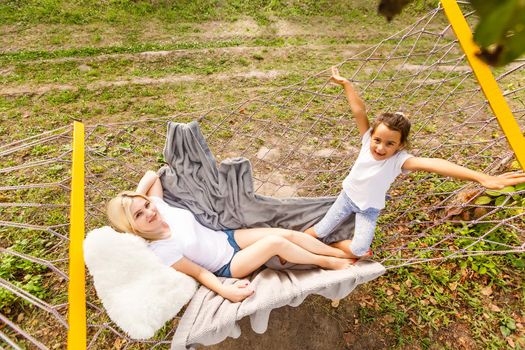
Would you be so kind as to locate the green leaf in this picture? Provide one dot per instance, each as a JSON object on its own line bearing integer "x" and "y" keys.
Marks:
{"x": 508, "y": 189}
{"x": 520, "y": 187}
{"x": 511, "y": 324}
{"x": 490, "y": 265}
{"x": 513, "y": 47}
{"x": 493, "y": 25}
{"x": 483, "y": 200}
{"x": 500, "y": 200}
{"x": 484, "y": 7}
{"x": 500, "y": 32}
{"x": 482, "y": 270}
{"x": 493, "y": 193}
{"x": 519, "y": 263}
{"x": 504, "y": 330}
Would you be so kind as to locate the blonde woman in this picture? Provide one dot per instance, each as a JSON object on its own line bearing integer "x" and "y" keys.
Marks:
{"x": 181, "y": 242}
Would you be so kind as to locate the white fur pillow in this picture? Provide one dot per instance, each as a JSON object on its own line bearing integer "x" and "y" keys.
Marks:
{"x": 138, "y": 292}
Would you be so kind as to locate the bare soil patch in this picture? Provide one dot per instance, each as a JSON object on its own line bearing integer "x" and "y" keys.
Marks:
{"x": 45, "y": 88}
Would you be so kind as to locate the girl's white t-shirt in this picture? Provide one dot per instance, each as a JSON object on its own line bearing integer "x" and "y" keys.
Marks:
{"x": 205, "y": 247}
{"x": 370, "y": 179}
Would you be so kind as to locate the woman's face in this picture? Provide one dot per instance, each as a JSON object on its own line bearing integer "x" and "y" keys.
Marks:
{"x": 146, "y": 218}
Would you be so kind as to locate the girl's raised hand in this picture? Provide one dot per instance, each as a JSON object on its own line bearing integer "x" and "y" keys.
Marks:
{"x": 337, "y": 78}
{"x": 501, "y": 181}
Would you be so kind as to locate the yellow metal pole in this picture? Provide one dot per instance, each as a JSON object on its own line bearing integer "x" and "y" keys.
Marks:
{"x": 486, "y": 80}
{"x": 76, "y": 337}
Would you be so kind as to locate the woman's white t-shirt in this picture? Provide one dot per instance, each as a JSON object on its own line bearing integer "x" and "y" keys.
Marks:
{"x": 370, "y": 179}
{"x": 205, "y": 247}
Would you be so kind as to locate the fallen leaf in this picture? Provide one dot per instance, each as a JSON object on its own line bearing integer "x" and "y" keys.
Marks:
{"x": 479, "y": 212}
{"x": 494, "y": 308}
{"x": 389, "y": 318}
{"x": 466, "y": 195}
{"x": 454, "y": 211}
{"x": 486, "y": 291}
{"x": 453, "y": 286}
{"x": 119, "y": 342}
{"x": 465, "y": 216}
{"x": 511, "y": 342}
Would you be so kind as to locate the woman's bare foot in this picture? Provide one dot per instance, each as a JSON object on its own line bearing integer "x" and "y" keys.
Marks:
{"x": 333, "y": 263}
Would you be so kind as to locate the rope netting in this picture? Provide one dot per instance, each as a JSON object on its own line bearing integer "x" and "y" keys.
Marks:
{"x": 301, "y": 140}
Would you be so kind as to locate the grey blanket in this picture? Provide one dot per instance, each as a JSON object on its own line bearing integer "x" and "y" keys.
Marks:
{"x": 209, "y": 318}
{"x": 224, "y": 198}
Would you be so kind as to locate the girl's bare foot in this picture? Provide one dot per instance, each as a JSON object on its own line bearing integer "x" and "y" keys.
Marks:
{"x": 344, "y": 247}
{"x": 368, "y": 255}
{"x": 311, "y": 232}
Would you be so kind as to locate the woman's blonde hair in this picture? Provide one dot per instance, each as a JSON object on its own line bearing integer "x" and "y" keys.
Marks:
{"x": 119, "y": 213}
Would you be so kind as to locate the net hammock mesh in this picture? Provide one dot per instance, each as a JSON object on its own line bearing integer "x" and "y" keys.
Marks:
{"x": 301, "y": 140}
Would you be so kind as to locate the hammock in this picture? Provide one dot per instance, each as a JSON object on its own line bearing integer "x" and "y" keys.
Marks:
{"x": 301, "y": 140}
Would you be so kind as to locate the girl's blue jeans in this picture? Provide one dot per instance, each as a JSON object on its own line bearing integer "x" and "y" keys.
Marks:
{"x": 365, "y": 223}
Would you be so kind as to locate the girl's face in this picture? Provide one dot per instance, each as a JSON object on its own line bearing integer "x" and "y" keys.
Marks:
{"x": 147, "y": 219}
{"x": 385, "y": 142}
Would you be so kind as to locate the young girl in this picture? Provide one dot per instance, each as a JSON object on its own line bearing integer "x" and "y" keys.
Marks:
{"x": 381, "y": 159}
{"x": 189, "y": 247}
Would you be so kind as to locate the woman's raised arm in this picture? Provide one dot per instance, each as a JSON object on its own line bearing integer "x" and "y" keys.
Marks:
{"x": 150, "y": 185}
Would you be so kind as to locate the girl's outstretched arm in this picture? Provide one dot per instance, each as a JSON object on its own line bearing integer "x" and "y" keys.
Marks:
{"x": 446, "y": 168}
{"x": 356, "y": 103}
{"x": 150, "y": 185}
{"x": 235, "y": 293}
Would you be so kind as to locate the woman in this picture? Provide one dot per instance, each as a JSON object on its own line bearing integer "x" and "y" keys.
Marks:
{"x": 189, "y": 247}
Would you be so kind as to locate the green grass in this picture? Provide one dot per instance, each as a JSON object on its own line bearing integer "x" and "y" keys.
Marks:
{"x": 127, "y": 11}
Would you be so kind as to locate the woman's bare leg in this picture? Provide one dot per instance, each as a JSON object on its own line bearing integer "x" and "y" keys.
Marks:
{"x": 345, "y": 246}
{"x": 246, "y": 237}
{"x": 255, "y": 255}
